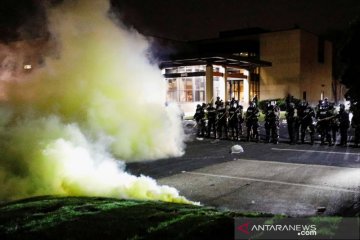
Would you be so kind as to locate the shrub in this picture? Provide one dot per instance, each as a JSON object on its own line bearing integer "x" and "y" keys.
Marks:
{"x": 281, "y": 102}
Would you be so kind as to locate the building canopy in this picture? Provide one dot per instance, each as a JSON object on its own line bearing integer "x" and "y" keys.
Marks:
{"x": 225, "y": 60}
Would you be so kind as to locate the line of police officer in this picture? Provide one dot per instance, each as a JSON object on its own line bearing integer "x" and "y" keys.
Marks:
{"x": 224, "y": 121}
{"x": 325, "y": 120}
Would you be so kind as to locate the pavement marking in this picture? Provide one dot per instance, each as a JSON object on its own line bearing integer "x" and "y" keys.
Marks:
{"x": 273, "y": 181}
{"x": 205, "y": 157}
{"x": 297, "y": 164}
{"x": 300, "y": 150}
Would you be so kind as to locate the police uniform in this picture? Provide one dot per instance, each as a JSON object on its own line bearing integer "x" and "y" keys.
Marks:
{"x": 199, "y": 117}
{"x": 324, "y": 118}
{"x": 218, "y": 102}
{"x": 221, "y": 121}
{"x": 355, "y": 123}
{"x": 272, "y": 123}
{"x": 334, "y": 122}
{"x": 233, "y": 122}
{"x": 291, "y": 120}
{"x": 211, "y": 117}
{"x": 344, "y": 125}
{"x": 306, "y": 119}
{"x": 251, "y": 118}
{"x": 239, "y": 115}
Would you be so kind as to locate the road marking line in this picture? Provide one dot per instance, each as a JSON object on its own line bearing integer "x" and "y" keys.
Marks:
{"x": 300, "y": 150}
{"x": 273, "y": 181}
{"x": 297, "y": 164}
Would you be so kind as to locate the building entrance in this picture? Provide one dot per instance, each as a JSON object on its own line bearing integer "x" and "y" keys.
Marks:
{"x": 235, "y": 89}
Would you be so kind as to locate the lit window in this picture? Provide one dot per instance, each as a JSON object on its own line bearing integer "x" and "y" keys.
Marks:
{"x": 199, "y": 89}
{"x": 172, "y": 94}
{"x": 189, "y": 89}
{"x": 27, "y": 67}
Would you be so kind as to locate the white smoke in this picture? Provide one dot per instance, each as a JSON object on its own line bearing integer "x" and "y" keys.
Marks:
{"x": 64, "y": 129}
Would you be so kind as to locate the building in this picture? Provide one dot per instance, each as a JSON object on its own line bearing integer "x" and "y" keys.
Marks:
{"x": 196, "y": 80}
{"x": 301, "y": 65}
{"x": 238, "y": 64}
{"x": 243, "y": 63}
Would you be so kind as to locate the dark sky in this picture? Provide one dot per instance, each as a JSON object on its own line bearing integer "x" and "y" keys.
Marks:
{"x": 196, "y": 19}
{"x": 21, "y": 19}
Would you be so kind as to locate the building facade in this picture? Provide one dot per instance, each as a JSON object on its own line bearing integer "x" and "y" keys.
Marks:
{"x": 243, "y": 63}
{"x": 203, "y": 79}
{"x": 301, "y": 66}
{"x": 238, "y": 64}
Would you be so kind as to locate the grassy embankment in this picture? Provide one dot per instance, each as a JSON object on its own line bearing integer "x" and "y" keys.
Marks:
{"x": 53, "y": 217}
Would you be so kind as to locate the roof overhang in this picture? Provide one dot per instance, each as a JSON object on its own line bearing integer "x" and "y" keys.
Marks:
{"x": 223, "y": 60}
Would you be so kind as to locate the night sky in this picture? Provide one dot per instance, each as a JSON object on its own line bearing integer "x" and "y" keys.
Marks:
{"x": 198, "y": 19}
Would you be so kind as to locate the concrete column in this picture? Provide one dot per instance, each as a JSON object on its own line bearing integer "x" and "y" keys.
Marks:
{"x": 209, "y": 83}
{"x": 225, "y": 85}
{"x": 246, "y": 92}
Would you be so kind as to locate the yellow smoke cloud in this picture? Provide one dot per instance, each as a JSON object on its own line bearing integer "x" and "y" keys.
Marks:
{"x": 99, "y": 99}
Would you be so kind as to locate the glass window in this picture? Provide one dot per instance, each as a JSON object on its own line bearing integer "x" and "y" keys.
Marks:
{"x": 172, "y": 93}
{"x": 186, "y": 90}
{"x": 199, "y": 89}
{"x": 190, "y": 89}
{"x": 180, "y": 69}
{"x": 199, "y": 68}
{"x": 189, "y": 69}
{"x": 216, "y": 87}
{"x": 216, "y": 69}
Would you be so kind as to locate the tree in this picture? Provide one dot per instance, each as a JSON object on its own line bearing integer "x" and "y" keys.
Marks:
{"x": 350, "y": 59}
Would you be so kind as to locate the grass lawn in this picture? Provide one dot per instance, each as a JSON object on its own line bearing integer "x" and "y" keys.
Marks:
{"x": 51, "y": 217}
{"x": 54, "y": 217}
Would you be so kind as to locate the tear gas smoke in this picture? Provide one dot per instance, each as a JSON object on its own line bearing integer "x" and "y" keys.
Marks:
{"x": 63, "y": 130}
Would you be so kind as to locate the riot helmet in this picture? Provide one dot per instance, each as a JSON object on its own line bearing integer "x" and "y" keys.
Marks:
{"x": 342, "y": 107}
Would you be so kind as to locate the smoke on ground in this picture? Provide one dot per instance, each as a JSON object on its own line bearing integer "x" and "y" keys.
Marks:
{"x": 64, "y": 128}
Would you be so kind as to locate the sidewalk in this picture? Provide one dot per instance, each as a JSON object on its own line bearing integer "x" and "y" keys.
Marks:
{"x": 273, "y": 187}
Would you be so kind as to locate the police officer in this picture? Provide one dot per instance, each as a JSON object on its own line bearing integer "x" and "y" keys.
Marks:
{"x": 199, "y": 117}
{"x": 233, "y": 121}
{"x": 218, "y": 102}
{"x": 326, "y": 102}
{"x": 255, "y": 100}
{"x": 306, "y": 120}
{"x": 204, "y": 107}
{"x": 324, "y": 116}
{"x": 251, "y": 120}
{"x": 291, "y": 120}
{"x": 221, "y": 121}
{"x": 211, "y": 117}
{"x": 344, "y": 124}
{"x": 334, "y": 121}
{"x": 233, "y": 101}
{"x": 240, "y": 117}
{"x": 355, "y": 122}
{"x": 272, "y": 114}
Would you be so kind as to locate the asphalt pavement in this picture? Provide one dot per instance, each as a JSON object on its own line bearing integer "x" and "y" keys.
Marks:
{"x": 297, "y": 180}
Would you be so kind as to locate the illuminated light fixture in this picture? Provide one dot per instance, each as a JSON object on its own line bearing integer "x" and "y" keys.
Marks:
{"x": 27, "y": 66}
